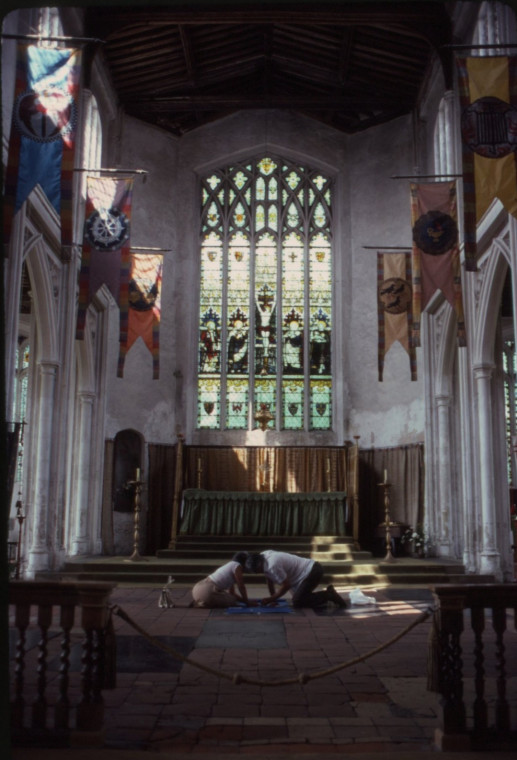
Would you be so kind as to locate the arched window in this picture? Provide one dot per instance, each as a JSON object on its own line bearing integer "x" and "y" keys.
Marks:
{"x": 265, "y": 319}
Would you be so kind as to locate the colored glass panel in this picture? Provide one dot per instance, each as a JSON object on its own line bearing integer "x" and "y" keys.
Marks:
{"x": 237, "y": 404}
{"x": 265, "y": 402}
{"x": 292, "y": 404}
{"x": 240, "y": 180}
{"x": 238, "y": 305}
{"x": 260, "y": 189}
{"x": 272, "y": 218}
{"x": 260, "y": 218}
{"x": 209, "y": 408}
{"x": 267, "y": 166}
{"x": 283, "y": 342}
{"x": 293, "y": 289}
{"x": 320, "y": 404}
{"x": 265, "y": 305}
{"x": 320, "y": 297}
{"x": 210, "y": 305}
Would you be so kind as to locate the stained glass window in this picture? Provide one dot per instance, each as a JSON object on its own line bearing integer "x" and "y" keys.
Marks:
{"x": 265, "y": 317}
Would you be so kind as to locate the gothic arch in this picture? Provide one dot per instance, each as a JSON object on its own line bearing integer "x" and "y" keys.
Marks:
{"x": 445, "y": 319}
{"x": 44, "y": 315}
{"x": 497, "y": 263}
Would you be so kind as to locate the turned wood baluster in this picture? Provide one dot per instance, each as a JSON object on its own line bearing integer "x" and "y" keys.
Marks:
{"x": 480, "y": 705}
{"x": 86, "y": 679}
{"x": 62, "y": 709}
{"x": 39, "y": 708}
{"x": 502, "y": 711}
{"x": 451, "y": 682}
{"x": 90, "y": 712}
{"x": 21, "y": 622}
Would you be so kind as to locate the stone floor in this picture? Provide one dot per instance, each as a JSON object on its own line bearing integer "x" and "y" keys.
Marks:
{"x": 377, "y": 704}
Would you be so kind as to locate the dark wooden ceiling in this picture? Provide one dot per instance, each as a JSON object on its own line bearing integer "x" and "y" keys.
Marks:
{"x": 349, "y": 65}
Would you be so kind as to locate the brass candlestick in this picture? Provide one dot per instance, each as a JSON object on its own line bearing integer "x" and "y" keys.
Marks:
{"x": 387, "y": 520}
{"x": 20, "y": 517}
{"x": 137, "y": 483}
{"x": 198, "y": 473}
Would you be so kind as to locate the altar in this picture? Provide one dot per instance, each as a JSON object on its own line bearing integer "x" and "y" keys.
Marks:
{"x": 254, "y": 513}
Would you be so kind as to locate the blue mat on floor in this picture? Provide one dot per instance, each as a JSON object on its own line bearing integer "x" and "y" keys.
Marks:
{"x": 281, "y": 606}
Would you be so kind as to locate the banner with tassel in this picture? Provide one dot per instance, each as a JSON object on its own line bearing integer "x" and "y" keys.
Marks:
{"x": 394, "y": 306}
{"x": 106, "y": 246}
{"x": 43, "y": 132}
{"x": 488, "y": 99}
{"x": 143, "y": 312}
{"x": 436, "y": 254}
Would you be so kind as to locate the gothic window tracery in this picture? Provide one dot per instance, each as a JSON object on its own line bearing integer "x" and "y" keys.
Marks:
{"x": 265, "y": 319}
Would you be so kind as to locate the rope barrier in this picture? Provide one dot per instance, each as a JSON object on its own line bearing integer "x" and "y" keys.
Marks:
{"x": 301, "y": 678}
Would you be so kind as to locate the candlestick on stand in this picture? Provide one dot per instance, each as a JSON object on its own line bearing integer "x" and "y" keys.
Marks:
{"x": 387, "y": 519}
{"x": 137, "y": 483}
{"x": 20, "y": 517}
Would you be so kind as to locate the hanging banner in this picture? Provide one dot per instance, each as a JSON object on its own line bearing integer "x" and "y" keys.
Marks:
{"x": 43, "y": 130}
{"x": 488, "y": 98}
{"x": 394, "y": 304}
{"x": 436, "y": 253}
{"x": 106, "y": 255}
{"x": 143, "y": 311}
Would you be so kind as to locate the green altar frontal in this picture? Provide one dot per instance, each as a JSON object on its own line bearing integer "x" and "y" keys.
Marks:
{"x": 251, "y": 513}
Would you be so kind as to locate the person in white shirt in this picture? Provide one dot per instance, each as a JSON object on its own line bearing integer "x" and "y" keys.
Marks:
{"x": 288, "y": 572}
{"x": 218, "y": 588}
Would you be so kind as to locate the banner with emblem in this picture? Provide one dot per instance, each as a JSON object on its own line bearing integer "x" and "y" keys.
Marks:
{"x": 43, "y": 130}
{"x": 144, "y": 307}
{"x": 394, "y": 306}
{"x": 488, "y": 98}
{"x": 106, "y": 255}
{"x": 436, "y": 253}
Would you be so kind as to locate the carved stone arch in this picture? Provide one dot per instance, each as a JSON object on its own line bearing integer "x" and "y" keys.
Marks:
{"x": 86, "y": 370}
{"x": 445, "y": 348}
{"x": 495, "y": 270}
{"x": 44, "y": 314}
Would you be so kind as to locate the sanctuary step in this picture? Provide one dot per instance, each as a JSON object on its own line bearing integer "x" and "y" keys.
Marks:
{"x": 195, "y": 557}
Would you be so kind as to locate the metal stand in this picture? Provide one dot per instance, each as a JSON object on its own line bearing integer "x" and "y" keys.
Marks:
{"x": 387, "y": 521}
{"x": 20, "y": 517}
{"x": 137, "y": 483}
{"x": 165, "y": 601}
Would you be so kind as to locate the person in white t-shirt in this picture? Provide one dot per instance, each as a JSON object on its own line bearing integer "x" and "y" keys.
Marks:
{"x": 218, "y": 588}
{"x": 288, "y": 572}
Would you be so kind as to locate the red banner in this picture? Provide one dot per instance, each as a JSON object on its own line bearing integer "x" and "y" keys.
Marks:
{"x": 144, "y": 307}
{"x": 436, "y": 257}
{"x": 106, "y": 254}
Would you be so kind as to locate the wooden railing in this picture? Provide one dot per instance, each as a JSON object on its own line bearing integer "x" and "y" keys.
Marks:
{"x": 49, "y": 622}
{"x": 476, "y": 662}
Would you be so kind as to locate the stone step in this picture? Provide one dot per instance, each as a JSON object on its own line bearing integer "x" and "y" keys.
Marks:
{"x": 196, "y": 556}
{"x": 350, "y": 573}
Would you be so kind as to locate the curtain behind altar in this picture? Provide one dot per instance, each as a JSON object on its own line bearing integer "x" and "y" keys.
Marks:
{"x": 266, "y": 468}
{"x": 405, "y": 471}
{"x": 162, "y": 466}
{"x": 107, "y": 538}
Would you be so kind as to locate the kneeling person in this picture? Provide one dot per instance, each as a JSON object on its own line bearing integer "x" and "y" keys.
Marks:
{"x": 296, "y": 574}
{"x": 218, "y": 588}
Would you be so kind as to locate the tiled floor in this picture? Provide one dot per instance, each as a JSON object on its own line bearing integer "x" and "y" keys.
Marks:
{"x": 376, "y": 705}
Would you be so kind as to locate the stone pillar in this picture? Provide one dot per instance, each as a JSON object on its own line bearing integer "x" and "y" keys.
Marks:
{"x": 38, "y": 558}
{"x": 443, "y": 404}
{"x": 80, "y": 541}
{"x": 452, "y": 162}
{"x": 490, "y": 557}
